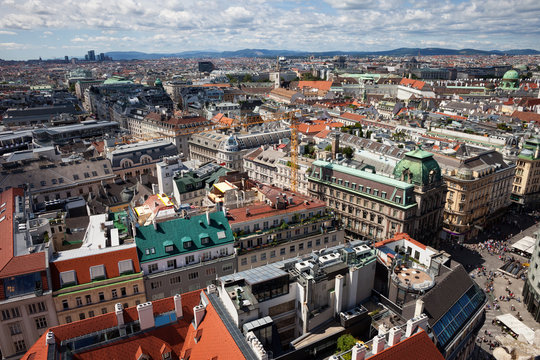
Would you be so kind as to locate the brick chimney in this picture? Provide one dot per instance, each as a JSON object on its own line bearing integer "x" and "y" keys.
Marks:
{"x": 119, "y": 311}
{"x": 378, "y": 344}
{"x": 358, "y": 352}
{"x": 394, "y": 336}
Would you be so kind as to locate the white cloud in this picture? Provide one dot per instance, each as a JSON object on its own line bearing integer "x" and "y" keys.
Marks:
{"x": 6, "y": 32}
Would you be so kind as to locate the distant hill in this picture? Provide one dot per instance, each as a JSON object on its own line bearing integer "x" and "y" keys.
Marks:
{"x": 132, "y": 55}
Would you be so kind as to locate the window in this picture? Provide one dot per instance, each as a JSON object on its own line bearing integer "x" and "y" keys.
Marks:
{"x": 175, "y": 280}
{"x": 68, "y": 319}
{"x": 86, "y": 175}
{"x": 68, "y": 278}
{"x": 253, "y": 258}
{"x": 65, "y": 304}
{"x": 125, "y": 266}
{"x": 310, "y": 244}
{"x": 15, "y": 329}
{"x": 91, "y": 313}
{"x": 211, "y": 271}
{"x": 78, "y": 299}
{"x": 282, "y": 251}
{"x": 88, "y": 299}
{"x": 75, "y": 177}
{"x": 243, "y": 261}
{"x": 123, "y": 291}
{"x": 300, "y": 247}
{"x": 273, "y": 254}
{"x": 169, "y": 248}
{"x": 37, "y": 307}
{"x": 20, "y": 346}
{"x": 318, "y": 242}
{"x": 135, "y": 289}
{"x": 103, "y": 310}
{"x": 152, "y": 268}
{"x": 171, "y": 264}
{"x": 101, "y": 296}
{"x": 82, "y": 316}
{"x": 155, "y": 284}
{"x": 263, "y": 256}
{"x": 227, "y": 267}
{"x": 114, "y": 293}
{"x": 97, "y": 272}
{"x": 326, "y": 239}
{"x": 193, "y": 275}
{"x": 190, "y": 259}
{"x": 41, "y": 322}
{"x": 292, "y": 248}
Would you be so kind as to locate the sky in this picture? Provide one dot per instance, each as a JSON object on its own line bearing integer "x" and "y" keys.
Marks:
{"x": 30, "y": 29}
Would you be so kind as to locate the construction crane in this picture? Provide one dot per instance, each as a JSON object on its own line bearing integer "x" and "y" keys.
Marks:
{"x": 294, "y": 151}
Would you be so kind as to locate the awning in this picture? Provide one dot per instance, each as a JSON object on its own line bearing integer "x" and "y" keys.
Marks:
{"x": 517, "y": 327}
{"x": 526, "y": 244}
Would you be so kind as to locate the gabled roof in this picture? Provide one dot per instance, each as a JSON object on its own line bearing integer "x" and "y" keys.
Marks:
{"x": 416, "y": 347}
{"x": 398, "y": 237}
{"x": 215, "y": 340}
{"x": 526, "y": 116}
{"x": 321, "y": 85}
{"x": 416, "y": 84}
{"x": 150, "y": 240}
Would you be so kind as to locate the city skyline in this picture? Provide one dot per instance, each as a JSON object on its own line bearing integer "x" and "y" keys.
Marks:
{"x": 51, "y": 30}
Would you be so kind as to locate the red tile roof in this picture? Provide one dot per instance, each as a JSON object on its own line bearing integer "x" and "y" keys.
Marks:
{"x": 526, "y": 116}
{"x": 215, "y": 341}
{"x": 351, "y": 116}
{"x": 417, "y": 84}
{"x": 82, "y": 265}
{"x": 416, "y": 347}
{"x": 222, "y": 119}
{"x": 321, "y": 85}
{"x": 398, "y": 237}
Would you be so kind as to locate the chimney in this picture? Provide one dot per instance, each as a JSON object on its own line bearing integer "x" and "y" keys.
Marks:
{"x": 339, "y": 293}
{"x": 119, "y": 311}
{"x": 394, "y": 336}
{"x": 419, "y": 309}
{"x": 198, "y": 314}
{"x": 207, "y": 218}
{"x": 178, "y": 306}
{"x": 50, "y": 339}
{"x": 211, "y": 289}
{"x": 415, "y": 323}
{"x": 358, "y": 352}
{"x": 382, "y": 330}
{"x": 155, "y": 224}
{"x": 335, "y": 147}
{"x": 378, "y": 344}
{"x": 146, "y": 315}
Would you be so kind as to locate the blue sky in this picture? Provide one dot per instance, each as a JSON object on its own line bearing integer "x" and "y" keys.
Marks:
{"x": 46, "y": 28}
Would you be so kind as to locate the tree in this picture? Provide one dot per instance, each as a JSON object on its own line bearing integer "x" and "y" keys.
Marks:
{"x": 348, "y": 152}
{"x": 345, "y": 343}
{"x": 328, "y": 148}
{"x": 368, "y": 134}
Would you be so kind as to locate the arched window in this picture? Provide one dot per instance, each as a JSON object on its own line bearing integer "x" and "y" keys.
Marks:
{"x": 126, "y": 163}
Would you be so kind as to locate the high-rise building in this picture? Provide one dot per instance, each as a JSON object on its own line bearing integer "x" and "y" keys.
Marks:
{"x": 206, "y": 66}
{"x": 91, "y": 55}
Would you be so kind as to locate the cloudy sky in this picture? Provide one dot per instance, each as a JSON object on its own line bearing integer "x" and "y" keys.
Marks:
{"x": 54, "y": 28}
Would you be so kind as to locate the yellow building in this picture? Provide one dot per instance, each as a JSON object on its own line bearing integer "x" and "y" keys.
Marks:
{"x": 479, "y": 186}
{"x": 526, "y": 185}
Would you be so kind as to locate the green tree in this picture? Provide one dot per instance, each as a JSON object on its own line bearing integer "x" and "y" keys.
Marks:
{"x": 348, "y": 152}
{"x": 247, "y": 78}
{"x": 328, "y": 148}
{"x": 345, "y": 343}
{"x": 368, "y": 134}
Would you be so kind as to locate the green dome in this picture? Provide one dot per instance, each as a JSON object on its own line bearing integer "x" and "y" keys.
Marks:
{"x": 157, "y": 82}
{"x": 511, "y": 75}
{"x": 418, "y": 167}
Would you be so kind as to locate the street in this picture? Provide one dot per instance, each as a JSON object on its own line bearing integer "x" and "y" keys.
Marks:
{"x": 488, "y": 253}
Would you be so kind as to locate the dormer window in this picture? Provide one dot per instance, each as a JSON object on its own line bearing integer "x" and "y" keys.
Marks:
{"x": 188, "y": 244}
{"x": 97, "y": 272}
{"x": 68, "y": 278}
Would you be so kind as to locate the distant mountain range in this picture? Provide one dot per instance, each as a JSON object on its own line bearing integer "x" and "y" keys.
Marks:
{"x": 132, "y": 55}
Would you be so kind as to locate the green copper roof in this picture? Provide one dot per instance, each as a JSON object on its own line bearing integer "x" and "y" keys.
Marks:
{"x": 191, "y": 182}
{"x": 363, "y": 174}
{"x": 184, "y": 235}
{"x": 418, "y": 167}
{"x": 117, "y": 80}
{"x": 511, "y": 75}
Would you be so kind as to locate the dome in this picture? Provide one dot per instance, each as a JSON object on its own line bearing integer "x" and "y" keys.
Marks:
{"x": 418, "y": 167}
{"x": 511, "y": 75}
{"x": 157, "y": 82}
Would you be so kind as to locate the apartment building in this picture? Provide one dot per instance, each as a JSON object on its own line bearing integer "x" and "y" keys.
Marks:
{"x": 191, "y": 187}
{"x": 229, "y": 150}
{"x": 90, "y": 280}
{"x": 279, "y": 225}
{"x": 182, "y": 255}
{"x": 272, "y": 166}
{"x": 479, "y": 185}
{"x": 26, "y": 303}
{"x": 139, "y": 158}
{"x": 526, "y": 184}
{"x": 176, "y": 129}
